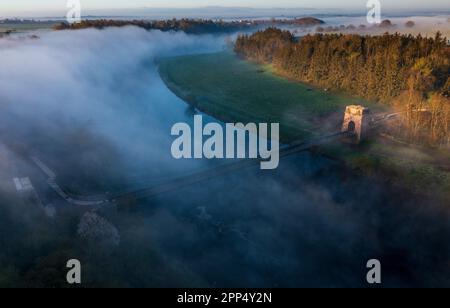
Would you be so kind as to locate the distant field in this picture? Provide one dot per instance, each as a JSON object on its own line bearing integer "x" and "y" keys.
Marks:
{"x": 238, "y": 91}
{"x": 25, "y": 26}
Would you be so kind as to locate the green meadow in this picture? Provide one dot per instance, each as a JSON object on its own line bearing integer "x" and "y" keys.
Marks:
{"x": 21, "y": 27}
{"x": 234, "y": 90}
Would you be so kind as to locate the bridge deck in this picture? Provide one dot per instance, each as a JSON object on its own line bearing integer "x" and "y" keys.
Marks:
{"x": 180, "y": 182}
{"x": 191, "y": 179}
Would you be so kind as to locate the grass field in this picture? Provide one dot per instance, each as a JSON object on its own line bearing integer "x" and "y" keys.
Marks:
{"x": 234, "y": 90}
{"x": 5, "y": 27}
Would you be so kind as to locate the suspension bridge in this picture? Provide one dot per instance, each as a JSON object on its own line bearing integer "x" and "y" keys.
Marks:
{"x": 358, "y": 122}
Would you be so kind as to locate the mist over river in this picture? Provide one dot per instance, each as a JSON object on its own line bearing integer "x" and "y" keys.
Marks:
{"x": 91, "y": 105}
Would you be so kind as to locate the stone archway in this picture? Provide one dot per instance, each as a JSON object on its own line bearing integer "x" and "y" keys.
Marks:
{"x": 351, "y": 126}
{"x": 356, "y": 120}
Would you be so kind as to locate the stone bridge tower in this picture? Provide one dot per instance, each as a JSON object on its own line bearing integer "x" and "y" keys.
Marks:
{"x": 357, "y": 120}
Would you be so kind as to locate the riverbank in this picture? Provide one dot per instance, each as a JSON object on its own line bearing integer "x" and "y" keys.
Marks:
{"x": 234, "y": 90}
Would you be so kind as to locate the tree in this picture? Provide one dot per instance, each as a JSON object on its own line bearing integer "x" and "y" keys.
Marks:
{"x": 391, "y": 68}
{"x": 410, "y": 24}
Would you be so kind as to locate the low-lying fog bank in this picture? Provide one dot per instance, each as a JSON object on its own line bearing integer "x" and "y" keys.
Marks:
{"x": 86, "y": 100}
{"x": 424, "y": 25}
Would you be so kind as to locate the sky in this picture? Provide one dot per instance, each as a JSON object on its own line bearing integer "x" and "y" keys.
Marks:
{"x": 16, "y": 7}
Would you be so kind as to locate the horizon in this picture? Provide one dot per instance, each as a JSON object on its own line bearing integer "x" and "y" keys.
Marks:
{"x": 201, "y": 9}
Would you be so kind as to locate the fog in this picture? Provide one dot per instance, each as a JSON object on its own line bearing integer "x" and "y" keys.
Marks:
{"x": 424, "y": 25}
{"x": 94, "y": 84}
{"x": 91, "y": 105}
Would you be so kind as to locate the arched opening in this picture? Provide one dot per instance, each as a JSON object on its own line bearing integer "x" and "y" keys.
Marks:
{"x": 351, "y": 127}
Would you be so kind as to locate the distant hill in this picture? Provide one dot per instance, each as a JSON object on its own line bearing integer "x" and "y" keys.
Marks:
{"x": 308, "y": 21}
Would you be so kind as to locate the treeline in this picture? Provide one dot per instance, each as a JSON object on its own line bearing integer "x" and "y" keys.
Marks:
{"x": 195, "y": 26}
{"x": 384, "y": 25}
{"x": 412, "y": 73}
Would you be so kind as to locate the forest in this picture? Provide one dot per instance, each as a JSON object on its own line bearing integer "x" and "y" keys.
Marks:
{"x": 409, "y": 73}
{"x": 193, "y": 26}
